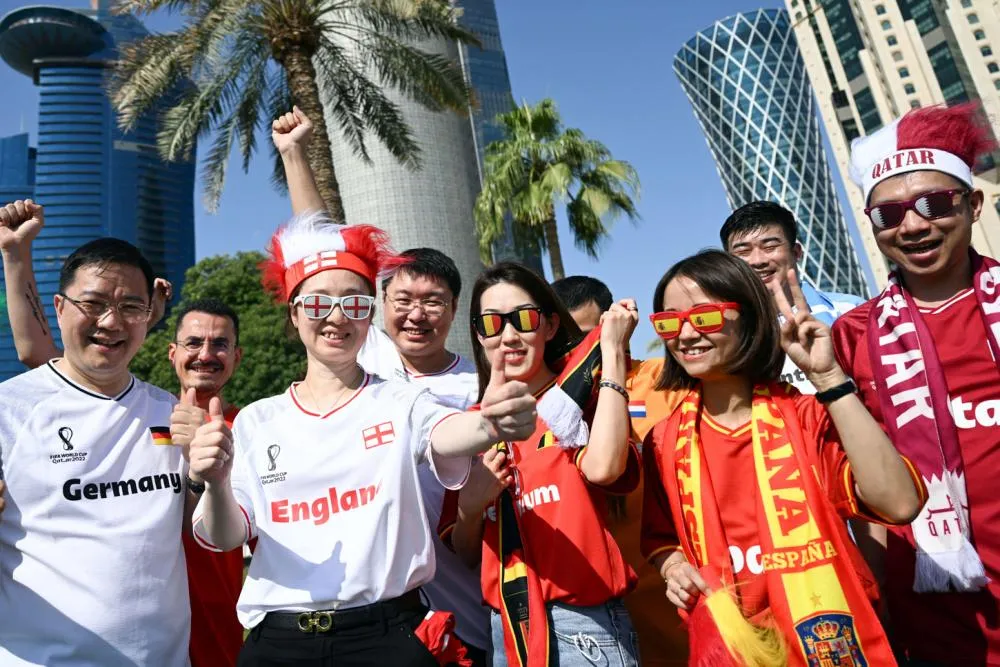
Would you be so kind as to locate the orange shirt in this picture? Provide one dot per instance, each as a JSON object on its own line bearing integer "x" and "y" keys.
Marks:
{"x": 214, "y": 582}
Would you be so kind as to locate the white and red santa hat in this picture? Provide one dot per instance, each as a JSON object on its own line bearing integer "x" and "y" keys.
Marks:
{"x": 311, "y": 243}
{"x": 938, "y": 138}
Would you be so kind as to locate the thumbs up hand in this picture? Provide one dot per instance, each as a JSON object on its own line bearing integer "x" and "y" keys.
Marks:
{"x": 185, "y": 419}
{"x": 211, "y": 450}
{"x": 508, "y": 408}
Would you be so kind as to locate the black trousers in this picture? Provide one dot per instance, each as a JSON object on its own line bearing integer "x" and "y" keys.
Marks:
{"x": 388, "y": 642}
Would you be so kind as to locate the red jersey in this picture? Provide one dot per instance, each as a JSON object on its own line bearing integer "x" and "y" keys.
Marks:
{"x": 563, "y": 528}
{"x": 730, "y": 466}
{"x": 214, "y": 581}
{"x": 950, "y": 628}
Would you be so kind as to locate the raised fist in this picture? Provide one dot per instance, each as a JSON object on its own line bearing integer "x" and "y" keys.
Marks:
{"x": 20, "y": 222}
{"x": 291, "y": 131}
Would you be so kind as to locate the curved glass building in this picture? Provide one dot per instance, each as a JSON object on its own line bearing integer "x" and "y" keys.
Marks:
{"x": 747, "y": 82}
{"x": 93, "y": 179}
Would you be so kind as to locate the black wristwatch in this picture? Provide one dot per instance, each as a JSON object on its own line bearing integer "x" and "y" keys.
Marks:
{"x": 197, "y": 488}
{"x": 833, "y": 393}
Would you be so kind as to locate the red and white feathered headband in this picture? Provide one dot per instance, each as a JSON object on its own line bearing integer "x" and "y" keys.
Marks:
{"x": 939, "y": 138}
{"x": 311, "y": 243}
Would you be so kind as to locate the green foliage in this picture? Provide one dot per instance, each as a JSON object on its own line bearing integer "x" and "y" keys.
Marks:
{"x": 538, "y": 165}
{"x": 271, "y": 358}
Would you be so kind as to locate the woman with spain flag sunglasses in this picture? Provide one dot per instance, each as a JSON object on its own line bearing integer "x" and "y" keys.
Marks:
{"x": 749, "y": 482}
{"x": 533, "y": 513}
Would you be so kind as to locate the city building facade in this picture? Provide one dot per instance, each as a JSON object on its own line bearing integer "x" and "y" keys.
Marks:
{"x": 870, "y": 62}
{"x": 747, "y": 84}
{"x": 93, "y": 179}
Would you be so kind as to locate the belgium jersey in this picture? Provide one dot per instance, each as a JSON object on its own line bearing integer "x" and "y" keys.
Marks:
{"x": 91, "y": 564}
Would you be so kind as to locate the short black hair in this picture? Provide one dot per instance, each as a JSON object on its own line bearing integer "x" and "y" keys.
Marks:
{"x": 104, "y": 252}
{"x": 567, "y": 335}
{"x": 430, "y": 263}
{"x": 759, "y": 356}
{"x": 578, "y": 291}
{"x": 756, "y": 215}
{"x": 210, "y": 306}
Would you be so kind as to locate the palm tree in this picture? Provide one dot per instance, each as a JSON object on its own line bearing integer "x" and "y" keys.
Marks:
{"x": 223, "y": 60}
{"x": 539, "y": 164}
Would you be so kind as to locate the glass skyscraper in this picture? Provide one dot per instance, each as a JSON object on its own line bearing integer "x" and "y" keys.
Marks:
{"x": 93, "y": 179}
{"x": 747, "y": 83}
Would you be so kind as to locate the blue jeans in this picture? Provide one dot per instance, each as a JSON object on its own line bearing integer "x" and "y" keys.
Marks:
{"x": 582, "y": 636}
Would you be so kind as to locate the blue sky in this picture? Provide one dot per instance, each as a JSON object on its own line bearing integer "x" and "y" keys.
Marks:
{"x": 608, "y": 66}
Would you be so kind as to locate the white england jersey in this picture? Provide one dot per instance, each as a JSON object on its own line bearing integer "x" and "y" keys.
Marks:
{"x": 455, "y": 587}
{"x": 334, "y": 499}
{"x": 91, "y": 562}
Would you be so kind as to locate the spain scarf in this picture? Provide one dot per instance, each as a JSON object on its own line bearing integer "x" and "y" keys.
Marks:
{"x": 914, "y": 398}
{"x": 817, "y": 602}
{"x": 563, "y": 410}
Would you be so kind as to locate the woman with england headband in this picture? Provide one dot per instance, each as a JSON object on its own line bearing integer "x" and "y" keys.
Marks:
{"x": 533, "y": 513}
{"x": 324, "y": 476}
{"x": 749, "y": 482}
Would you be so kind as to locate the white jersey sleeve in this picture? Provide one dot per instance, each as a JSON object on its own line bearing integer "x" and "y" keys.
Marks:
{"x": 425, "y": 415}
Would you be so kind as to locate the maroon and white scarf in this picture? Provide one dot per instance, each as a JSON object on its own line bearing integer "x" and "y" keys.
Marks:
{"x": 914, "y": 399}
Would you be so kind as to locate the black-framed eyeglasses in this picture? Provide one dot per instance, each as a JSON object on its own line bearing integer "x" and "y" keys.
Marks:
{"x": 95, "y": 309}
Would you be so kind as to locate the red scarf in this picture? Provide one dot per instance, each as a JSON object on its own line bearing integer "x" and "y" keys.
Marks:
{"x": 816, "y": 599}
{"x": 913, "y": 396}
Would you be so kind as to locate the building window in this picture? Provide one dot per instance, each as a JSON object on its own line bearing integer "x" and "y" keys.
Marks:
{"x": 966, "y": 3}
{"x": 909, "y": 89}
{"x": 986, "y": 51}
{"x": 996, "y": 84}
{"x": 880, "y": 9}
{"x": 973, "y": 18}
{"x": 897, "y": 56}
{"x": 979, "y": 34}
{"x": 904, "y": 72}
{"x": 992, "y": 68}
{"x": 914, "y": 104}
{"x": 798, "y": 15}
{"x": 886, "y": 25}
{"x": 891, "y": 39}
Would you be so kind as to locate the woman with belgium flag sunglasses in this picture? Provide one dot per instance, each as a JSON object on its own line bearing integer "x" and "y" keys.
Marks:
{"x": 533, "y": 512}
{"x": 748, "y": 483}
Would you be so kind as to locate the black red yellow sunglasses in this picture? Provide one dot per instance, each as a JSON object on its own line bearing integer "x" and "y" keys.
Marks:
{"x": 524, "y": 320}
{"x": 705, "y": 318}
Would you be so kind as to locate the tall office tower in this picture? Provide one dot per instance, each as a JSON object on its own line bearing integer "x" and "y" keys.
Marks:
{"x": 93, "y": 179}
{"x": 747, "y": 84}
{"x": 432, "y": 206}
{"x": 17, "y": 181}
{"x": 871, "y": 62}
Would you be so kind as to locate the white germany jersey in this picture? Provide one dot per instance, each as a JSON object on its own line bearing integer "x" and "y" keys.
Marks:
{"x": 455, "y": 587}
{"x": 334, "y": 499}
{"x": 91, "y": 562}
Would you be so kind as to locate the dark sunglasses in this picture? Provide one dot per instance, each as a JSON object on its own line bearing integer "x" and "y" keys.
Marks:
{"x": 928, "y": 206}
{"x": 524, "y": 320}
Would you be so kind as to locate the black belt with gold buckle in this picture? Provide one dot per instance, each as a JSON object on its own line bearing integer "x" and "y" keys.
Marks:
{"x": 310, "y": 622}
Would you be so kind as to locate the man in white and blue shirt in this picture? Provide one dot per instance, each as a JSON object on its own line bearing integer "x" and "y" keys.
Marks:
{"x": 764, "y": 235}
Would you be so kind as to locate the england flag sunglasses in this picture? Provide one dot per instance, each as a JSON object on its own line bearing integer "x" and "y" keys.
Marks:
{"x": 319, "y": 306}
{"x": 705, "y": 318}
{"x": 928, "y": 206}
{"x": 524, "y": 320}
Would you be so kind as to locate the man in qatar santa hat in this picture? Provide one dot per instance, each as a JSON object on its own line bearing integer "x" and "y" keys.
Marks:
{"x": 324, "y": 475}
{"x": 924, "y": 355}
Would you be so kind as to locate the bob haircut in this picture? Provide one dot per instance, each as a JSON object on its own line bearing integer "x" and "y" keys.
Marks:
{"x": 567, "y": 335}
{"x": 759, "y": 356}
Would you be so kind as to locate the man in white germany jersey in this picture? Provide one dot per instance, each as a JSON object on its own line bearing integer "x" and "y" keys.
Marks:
{"x": 91, "y": 568}
{"x": 419, "y": 305}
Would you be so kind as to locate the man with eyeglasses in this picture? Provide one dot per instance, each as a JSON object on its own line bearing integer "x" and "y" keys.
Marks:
{"x": 765, "y": 236}
{"x": 925, "y": 355}
{"x": 91, "y": 565}
{"x": 419, "y": 304}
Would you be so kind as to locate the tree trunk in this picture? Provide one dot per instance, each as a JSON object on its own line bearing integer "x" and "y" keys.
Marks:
{"x": 552, "y": 244}
{"x": 305, "y": 93}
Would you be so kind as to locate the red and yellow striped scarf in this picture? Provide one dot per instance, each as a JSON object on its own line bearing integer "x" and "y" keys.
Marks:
{"x": 817, "y": 602}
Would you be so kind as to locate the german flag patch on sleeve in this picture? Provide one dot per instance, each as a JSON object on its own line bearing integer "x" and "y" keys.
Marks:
{"x": 161, "y": 435}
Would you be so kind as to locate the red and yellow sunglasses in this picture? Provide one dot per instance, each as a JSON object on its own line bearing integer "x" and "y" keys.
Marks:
{"x": 705, "y": 318}
{"x": 524, "y": 320}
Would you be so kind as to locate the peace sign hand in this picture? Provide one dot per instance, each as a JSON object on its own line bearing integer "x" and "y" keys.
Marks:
{"x": 806, "y": 340}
